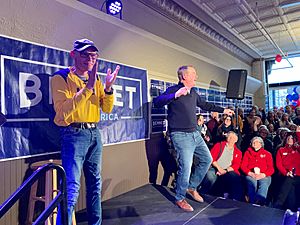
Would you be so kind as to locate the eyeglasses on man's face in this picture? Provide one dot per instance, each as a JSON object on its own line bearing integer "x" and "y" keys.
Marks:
{"x": 86, "y": 55}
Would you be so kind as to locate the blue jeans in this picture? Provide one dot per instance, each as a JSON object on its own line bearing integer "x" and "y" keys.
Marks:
{"x": 257, "y": 189}
{"x": 188, "y": 145}
{"x": 82, "y": 149}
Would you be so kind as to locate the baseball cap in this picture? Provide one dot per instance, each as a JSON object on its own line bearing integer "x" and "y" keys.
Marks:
{"x": 82, "y": 44}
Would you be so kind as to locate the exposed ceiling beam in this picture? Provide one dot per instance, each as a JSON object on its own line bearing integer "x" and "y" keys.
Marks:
{"x": 290, "y": 11}
{"x": 267, "y": 27}
{"x": 265, "y": 31}
{"x": 287, "y": 26}
{"x": 224, "y": 8}
{"x": 232, "y": 17}
{"x": 187, "y": 15}
{"x": 208, "y": 17}
{"x": 289, "y": 3}
{"x": 242, "y": 24}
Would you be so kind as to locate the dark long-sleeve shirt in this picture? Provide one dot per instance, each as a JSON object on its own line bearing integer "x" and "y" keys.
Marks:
{"x": 182, "y": 111}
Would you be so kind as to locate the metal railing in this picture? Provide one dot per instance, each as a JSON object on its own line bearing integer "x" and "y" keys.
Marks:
{"x": 60, "y": 199}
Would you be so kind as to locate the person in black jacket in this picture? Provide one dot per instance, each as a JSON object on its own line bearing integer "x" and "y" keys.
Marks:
{"x": 224, "y": 128}
{"x": 182, "y": 100}
{"x": 204, "y": 131}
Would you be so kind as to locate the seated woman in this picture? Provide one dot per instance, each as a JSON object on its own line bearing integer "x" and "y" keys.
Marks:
{"x": 224, "y": 175}
{"x": 285, "y": 120}
{"x": 281, "y": 134}
{"x": 251, "y": 125}
{"x": 264, "y": 133}
{"x": 224, "y": 128}
{"x": 257, "y": 165}
{"x": 288, "y": 165}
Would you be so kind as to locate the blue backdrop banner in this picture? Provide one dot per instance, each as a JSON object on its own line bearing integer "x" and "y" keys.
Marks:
{"x": 26, "y": 101}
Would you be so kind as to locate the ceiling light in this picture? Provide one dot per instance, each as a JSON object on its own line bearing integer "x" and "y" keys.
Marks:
{"x": 113, "y": 7}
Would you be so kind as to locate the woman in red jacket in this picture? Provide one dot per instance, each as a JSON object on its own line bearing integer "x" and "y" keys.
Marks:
{"x": 257, "y": 164}
{"x": 225, "y": 169}
{"x": 288, "y": 165}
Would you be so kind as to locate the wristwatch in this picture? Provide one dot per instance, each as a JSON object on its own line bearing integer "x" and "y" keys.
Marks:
{"x": 109, "y": 92}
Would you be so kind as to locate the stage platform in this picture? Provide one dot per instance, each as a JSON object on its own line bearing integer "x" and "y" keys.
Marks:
{"x": 151, "y": 204}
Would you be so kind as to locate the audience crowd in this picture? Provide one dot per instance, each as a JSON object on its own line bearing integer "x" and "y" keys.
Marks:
{"x": 256, "y": 158}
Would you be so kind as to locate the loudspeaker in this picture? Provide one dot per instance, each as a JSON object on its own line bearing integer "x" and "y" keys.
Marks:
{"x": 236, "y": 84}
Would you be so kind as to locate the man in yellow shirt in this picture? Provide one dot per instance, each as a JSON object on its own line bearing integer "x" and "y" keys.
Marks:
{"x": 78, "y": 96}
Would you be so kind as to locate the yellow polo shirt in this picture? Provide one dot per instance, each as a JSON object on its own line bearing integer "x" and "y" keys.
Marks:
{"x": 74, "y": 103}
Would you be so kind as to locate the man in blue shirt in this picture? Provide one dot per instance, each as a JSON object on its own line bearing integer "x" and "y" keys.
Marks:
{"x": 182, "y": 100}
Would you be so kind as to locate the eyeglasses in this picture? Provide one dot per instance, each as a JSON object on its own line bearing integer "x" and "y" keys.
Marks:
{"x": 86, "y": 55}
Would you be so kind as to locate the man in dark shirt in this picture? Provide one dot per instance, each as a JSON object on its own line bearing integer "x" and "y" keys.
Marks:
{"x": 182, "y": 100}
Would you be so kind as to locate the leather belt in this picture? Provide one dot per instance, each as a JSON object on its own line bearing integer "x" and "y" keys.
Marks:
{"x": 84, "y": 125}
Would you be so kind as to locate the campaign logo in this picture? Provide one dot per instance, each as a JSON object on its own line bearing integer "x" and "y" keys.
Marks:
{"x": 25, "y": 89}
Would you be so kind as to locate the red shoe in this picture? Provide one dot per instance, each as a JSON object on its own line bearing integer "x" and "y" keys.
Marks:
{"x": 184, "y": 205}
{"x": 195, "y": 195}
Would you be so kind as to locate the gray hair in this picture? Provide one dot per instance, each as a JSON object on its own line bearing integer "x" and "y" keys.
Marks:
{"x": 259, "y": 139}
{"x": 231, "y": 132}
{"x": 181, "y": 70}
